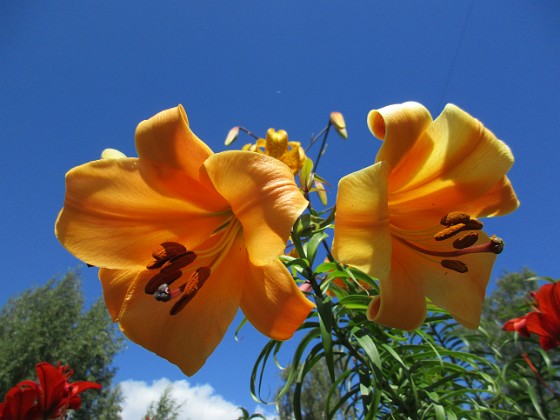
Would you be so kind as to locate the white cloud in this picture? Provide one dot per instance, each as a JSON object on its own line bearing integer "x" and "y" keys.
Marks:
{"x": 197, "y": 402}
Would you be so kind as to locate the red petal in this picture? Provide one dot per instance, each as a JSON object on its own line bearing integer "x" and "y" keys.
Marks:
{"x": 21, "y": 402}
{"x": 53, "y": 384}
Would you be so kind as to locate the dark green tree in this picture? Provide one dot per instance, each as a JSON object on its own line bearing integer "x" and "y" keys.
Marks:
{"x": 49, "y": 323}
{"x": 166, "y": 408}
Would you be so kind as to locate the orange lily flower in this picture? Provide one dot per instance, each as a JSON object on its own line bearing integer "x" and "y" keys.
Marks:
{"x": 184, "y": 237}
{"x": 395, "y": 219}
{"x": 277, "y": 145}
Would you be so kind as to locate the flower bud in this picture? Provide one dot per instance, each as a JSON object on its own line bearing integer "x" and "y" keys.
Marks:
{"x": 232, "y": 136}
{"x": 337, "y": 120}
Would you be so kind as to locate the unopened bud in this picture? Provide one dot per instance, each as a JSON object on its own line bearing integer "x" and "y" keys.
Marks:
{"x": 232, "y": 136}
{"x": 337, "y": 120}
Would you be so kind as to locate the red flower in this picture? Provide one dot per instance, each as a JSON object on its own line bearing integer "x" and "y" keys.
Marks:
{"x": 50, "y": 398}
{"x": 544, "y": 321}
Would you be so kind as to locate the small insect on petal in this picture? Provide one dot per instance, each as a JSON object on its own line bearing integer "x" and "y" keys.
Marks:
{"x": 232, "y": 136}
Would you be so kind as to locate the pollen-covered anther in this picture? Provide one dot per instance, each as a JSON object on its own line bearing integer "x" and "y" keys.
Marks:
{"x": 179, "y": 262}
{"x": 474, "y": 224}
{"x": 455, "y": 265}
{"x": 161, "y": 278}
{"x": 454, "y": 217}
{"x": 449, "y": 231}
{"x": 165, "y": 252}
{"x": 466, "y": 240}
{"x": 191, "y": 288}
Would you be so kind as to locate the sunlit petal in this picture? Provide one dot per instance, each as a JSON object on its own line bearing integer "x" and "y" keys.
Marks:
{"x": 401, "y": 303}
{"x": 189, "y": 337}
{"x": 399, "y": 126}
{"x": 455, "y": 161}
{"x": 363, "y": 237}
{"x": 272, "y": 302}
{"x": 166, "y": 139}
{"x": 461, "y": 294}
{"x": 113, "y": 218}
{"x": 263, "y": 196}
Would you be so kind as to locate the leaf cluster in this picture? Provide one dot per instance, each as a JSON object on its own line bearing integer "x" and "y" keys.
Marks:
{"x": 345, "y": 366}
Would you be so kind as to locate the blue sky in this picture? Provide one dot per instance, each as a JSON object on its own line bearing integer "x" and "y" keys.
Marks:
{"x": 77, "y": 77}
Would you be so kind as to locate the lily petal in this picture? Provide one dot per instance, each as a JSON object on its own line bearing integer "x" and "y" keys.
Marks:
{"x": 456, "y": 160}
{"x": 272, "y": 302}
{"x": 400, "y": 126}
{"x": 189, "y": 337}
{"x": 461, "y": 294}
{"x": 263, "y": 196}
{"x": 401, "y": 303}
{"x": 166, "y": 139}
{"x": 363, "y": 237}
{"x": 113, "y": 218}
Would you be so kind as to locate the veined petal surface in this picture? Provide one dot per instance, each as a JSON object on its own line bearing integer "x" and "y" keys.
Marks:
{"x": 189, "y": 337}
{"x": 263, "y": 196}
{"x": 363, "y": 236}
{"x": 166, "y": 139}
{"x": 272, "y": 302}
{"x": 113, "y": 218}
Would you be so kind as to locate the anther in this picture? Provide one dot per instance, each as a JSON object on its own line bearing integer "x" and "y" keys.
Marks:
{"x": 449, "y": 232}
{"x": 161, "y": 278}
{"x": 165, "y": 252}
{"x": 466, "y": 240}
{"x": 455, "y": 265}
{"x": 454, "y": 218}
{"x": 474, "y": 224}
{"x": 191, "y": 288}
{"x": 180, "y": 261}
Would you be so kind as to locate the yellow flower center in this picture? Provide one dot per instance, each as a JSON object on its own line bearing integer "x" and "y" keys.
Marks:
{"x": 456, "y": 222}
{"x": 174, "y": 260}
{"x": 276, "y": 142}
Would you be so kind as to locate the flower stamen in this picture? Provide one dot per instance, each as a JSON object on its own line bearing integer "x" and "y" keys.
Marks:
{"x": 160, "y": 279}
{"x": 191, "y": 288}
{"x": 449, "y": 232}
{"x": 167, "y": 251}
{"x": 456, "y": 222}
{"x": 466, "y": 240}
{"x": 455, "y": 265}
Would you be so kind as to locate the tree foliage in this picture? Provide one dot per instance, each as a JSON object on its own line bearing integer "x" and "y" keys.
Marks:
{"x": 165, "y": 408}
{"x": 49, "y": 323}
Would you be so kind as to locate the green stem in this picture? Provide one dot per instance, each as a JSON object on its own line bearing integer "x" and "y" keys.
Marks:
{"x": 250, "y": 133}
